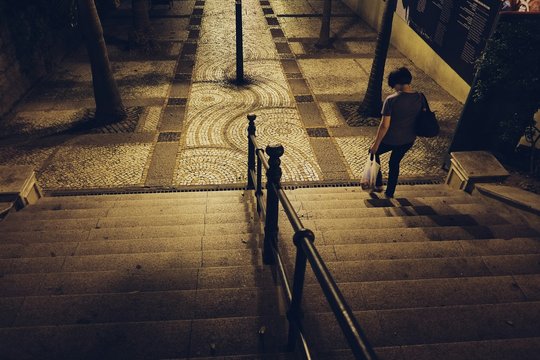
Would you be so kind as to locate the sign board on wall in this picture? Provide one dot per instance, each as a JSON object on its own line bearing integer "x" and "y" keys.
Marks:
{"x": 456, "y": 29}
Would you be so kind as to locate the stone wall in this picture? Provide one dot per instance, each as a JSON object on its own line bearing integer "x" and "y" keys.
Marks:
{"x": 413, "y": 47}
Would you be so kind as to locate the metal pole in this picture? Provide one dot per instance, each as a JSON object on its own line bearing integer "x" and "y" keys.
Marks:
{"x": 273, "y": 176}
{"x": 251, "y": 151}
{"x": 295, "y": 314}
{"x": 239, "y": 46}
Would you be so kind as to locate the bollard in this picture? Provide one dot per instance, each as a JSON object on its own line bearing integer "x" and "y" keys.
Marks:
{"x": 273, "y": 176}
{"x": 239, "y": 45}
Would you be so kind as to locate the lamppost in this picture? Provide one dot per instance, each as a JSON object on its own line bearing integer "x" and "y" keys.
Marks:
{"x": 239, "y": 45}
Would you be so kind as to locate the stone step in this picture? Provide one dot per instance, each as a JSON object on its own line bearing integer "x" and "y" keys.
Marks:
{"x": 455, "y": 209}
{"x": 432, "y": 325}
{"x": 59, "y": 203}
{"x": 384, "y": 203}
{"x": 408, "y": 222}
{"x": 431, "y": 268}
{"x": 422, "y": 293}
{"x": 357, "y": 189}
{"x": 152, "y": 196}
{"x": 142, "y": 340}
{"x": 131, "y": 262}
{"x": 134, "y": 232}
{"x": 434, "y": 249}
{"x": 143, "y": 306}
{"x": 359, "y": 194}
{"x": 36, "y": 224}
{"x": 135, "y": 280}
{"x": 394, "y": 235}
{"x": 218, "y": 223}
{"x": 500, "y": 349}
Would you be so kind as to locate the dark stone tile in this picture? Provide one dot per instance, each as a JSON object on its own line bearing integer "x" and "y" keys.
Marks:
{"x": 177, "y": 102}
{"x": 272, "y": 21}
{"x": 195, "y": 21}
{"x": 294, "y": 76}
{"x": 185, "y": 66}
{"x": 317, "y": 132}
{"x": 268, "y": 11}
{"x": 169, "y": 136}
{"x": 304, "y": 99}
{"x": 189, "y": 49}
{"x": 283, "y": 48}
{"x": 194, "y": 34}
{"x": 182, "y": 77}
{"x": 277, "y": 33}
{"x": 197, "y": 12}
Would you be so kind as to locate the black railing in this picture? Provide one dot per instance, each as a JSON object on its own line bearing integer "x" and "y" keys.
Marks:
{"x": 305, "y": 250}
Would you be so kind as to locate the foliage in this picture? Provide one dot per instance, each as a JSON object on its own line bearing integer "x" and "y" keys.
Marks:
{"x": 508, "y": 79}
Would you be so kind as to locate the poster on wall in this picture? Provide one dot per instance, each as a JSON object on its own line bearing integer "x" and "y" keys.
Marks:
{"x": 521, "y": 5}
{"x": 456, "y": 29}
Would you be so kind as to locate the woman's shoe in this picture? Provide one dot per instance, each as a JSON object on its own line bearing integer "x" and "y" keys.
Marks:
{"x": 388, "y": 196}
{"x": 378, "y": 189}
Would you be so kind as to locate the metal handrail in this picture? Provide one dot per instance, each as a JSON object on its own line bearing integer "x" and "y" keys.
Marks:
{"x": 306, "y": 250}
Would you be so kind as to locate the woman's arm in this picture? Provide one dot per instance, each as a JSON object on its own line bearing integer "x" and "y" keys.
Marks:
{"x": 381, "y": 132}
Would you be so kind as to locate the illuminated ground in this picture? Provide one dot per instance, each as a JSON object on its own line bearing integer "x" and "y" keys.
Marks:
{"x": 187, "y": 120}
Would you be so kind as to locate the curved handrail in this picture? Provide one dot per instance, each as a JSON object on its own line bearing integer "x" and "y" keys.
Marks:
{"x": 306, "y": 250}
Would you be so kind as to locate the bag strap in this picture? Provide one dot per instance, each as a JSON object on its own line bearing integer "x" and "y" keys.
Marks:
{"x": 425, "y": 104}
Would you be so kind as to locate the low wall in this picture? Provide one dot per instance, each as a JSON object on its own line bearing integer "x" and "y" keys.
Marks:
{"x": 413, "y": 47}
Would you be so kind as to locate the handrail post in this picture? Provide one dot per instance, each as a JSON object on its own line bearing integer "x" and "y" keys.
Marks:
{"x": 251, "y": 150}
{"x": 273, "y": 176}
{"x": 258, "y": 191}
{"x": 295, "y": 313}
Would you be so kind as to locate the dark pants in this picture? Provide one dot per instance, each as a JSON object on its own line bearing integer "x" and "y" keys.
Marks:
{"x": 398, "y": 152}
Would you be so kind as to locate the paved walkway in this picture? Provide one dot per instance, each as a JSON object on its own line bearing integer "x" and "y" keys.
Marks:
{"x": 187, "y": 123}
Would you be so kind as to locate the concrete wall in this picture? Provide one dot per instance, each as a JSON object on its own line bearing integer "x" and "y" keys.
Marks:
{"x": 413, "y": 47}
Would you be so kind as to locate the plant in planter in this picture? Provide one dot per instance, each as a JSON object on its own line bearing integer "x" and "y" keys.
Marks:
{"x": 508, "y": 82}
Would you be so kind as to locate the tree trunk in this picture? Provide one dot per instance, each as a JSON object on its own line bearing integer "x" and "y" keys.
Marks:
{"x": 141, "y": 34}
{"x": 371, "y": 106}
{"x": 324, "y": 37}
{"x": 109, "y": 105}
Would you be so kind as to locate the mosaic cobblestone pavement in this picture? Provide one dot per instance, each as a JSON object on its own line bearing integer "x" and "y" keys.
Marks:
{"x": 191, "y": 122}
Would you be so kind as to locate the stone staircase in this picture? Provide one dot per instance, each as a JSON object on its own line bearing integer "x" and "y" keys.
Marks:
{"x": 433, "y": 274}
{"x": 176, "y": 275}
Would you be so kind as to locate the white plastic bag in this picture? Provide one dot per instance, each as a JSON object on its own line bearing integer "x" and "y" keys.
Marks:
{"x": 369, "y": 177}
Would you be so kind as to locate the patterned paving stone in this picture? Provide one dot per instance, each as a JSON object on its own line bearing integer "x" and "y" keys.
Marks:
{"x": 197, "y": 64}
{"x": 424, "y": 159}
{"x": 34, "y": 122}
{"x": 91, "y": 166}
{"x": 338, "y": 77}
{"x": 26, "y": 154}
{"x": 210, "y": 166}
{"x": 332, "y": 117}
